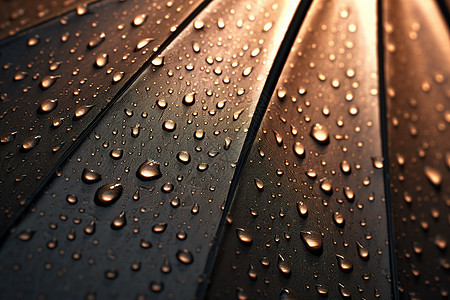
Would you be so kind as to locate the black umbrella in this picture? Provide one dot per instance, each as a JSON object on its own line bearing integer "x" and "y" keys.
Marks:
{"x": 192, "y": 149}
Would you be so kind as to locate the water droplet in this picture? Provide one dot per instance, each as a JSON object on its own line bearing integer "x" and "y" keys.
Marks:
{"x": 108, "y": 194}
{"x": 312, "y": 240}
{"x": 149, "y": 170}
{"x": 344, "y": 264}
{"x": 159, "y": 227}
{"x": 363, "y": 252}
{"x": 221, "y": 23}
{"x": 116, "y": 153}
{"x": 189, "y": 99}
{"x": 101, "y": 60}
{"x": 345, "y": 293}
{"x": 119, "y": 221}
{"x": 72, "y": 199}
{"x": 346, "y": 167}
{"x": 169, "y": 125}
{"x": 117, "y": 77}
{"x": 247, "y": 71}
{"x": 244, "y": 236}
{"x": 184, "y": 157}
{"x": 259, "y": 184}
{"x": 267, "y": 26}
{"x": 8, "y": 137}
{"x": 185, "y": 256}
{"x": 199, "y": 134}
{"x": 90, "y": 228}
{"x": 320, "y": 134}
{"x": 156, "y": 286}
{"x": 139, "y": 20}
{"x": 26, "y": 235}
{"x": 96, "y": 40}
{"x": 299, "y": 149}
{"x": 349, "y": 194}
{"x": 433, "y": 175}
{"x": 338, "y": 219}
{"x": 33, "y": 41}
{"x": 158, "y": 61}
{"x": 20, "y": 75}
{"x": 90, "y": 176}
{"x": 326, "y": 187}
{"x": 48, "y": 105}
{"x": 198, "y": 24}
{"x": 228, "y": 141}
{"x": 30, "y": 142}
{"x": 377, "y": 162}
{"x": 82, "y": 111}
{"x": 302, "y": 209}
{"x": 48, "y": 81}
{"x": 142, "y": 43}
{"x": 167, "y": 187}
{"x": 284, "y": 266}
{"x": 278, "y": 138}
{"x": 321, "y": 289}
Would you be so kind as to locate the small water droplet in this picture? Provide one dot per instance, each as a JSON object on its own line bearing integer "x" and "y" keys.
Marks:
{"x": 8, "y": 137}
{"x": 96, "y": 40}
{"x": 117, "y": 77}
{"x": 26, "y": 235}
{"x": 184, "y": 157}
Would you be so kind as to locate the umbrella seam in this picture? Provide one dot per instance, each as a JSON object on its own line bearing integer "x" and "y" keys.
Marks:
{"x": 385, "y": 152}
{"x": 261, "y": 107}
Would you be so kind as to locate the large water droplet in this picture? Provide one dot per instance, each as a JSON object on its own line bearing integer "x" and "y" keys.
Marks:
{"x": 149, "y": 170}
{"x": 82, "y": 111}
{"x": 344, "y": 264}
{"x": 108, "y": 194}
{"x": 139, "y": 20}
{"x": 299, "y": 149}
{"x": 159, "y": 227}
{"x": 142, "y": 43}
{"x": 48, "y": 105}
{"x": 302, "y": 209}
{"x": 30, "y": 142}
{"x": 363, "y": 252}
{"x": 185, "y": 256}
{"x": 189, "y": 99}
{"x": 259, "y": 184}
{"x": 433, "y": 175}
{"x": 312, "y": 240}
{"x": 320, "y": 134}
{"x": 48, "y": 81}
{"x": 8, "y": 137}
{"x": 244, "y": 236}
{"x": 184, "y": 157}
{"x": 90, "y": 176}
{"x": 283, "y": 266}
{"x": 101, "y": 60}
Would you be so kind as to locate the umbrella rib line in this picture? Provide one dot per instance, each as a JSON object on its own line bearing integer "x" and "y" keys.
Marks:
{"x": 385, "y": 150}
{"x": 261, "y": 107}
{"x": 84, "y": 134}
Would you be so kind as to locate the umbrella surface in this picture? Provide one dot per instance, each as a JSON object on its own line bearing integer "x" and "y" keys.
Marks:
{"x": 224, "y": 149}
